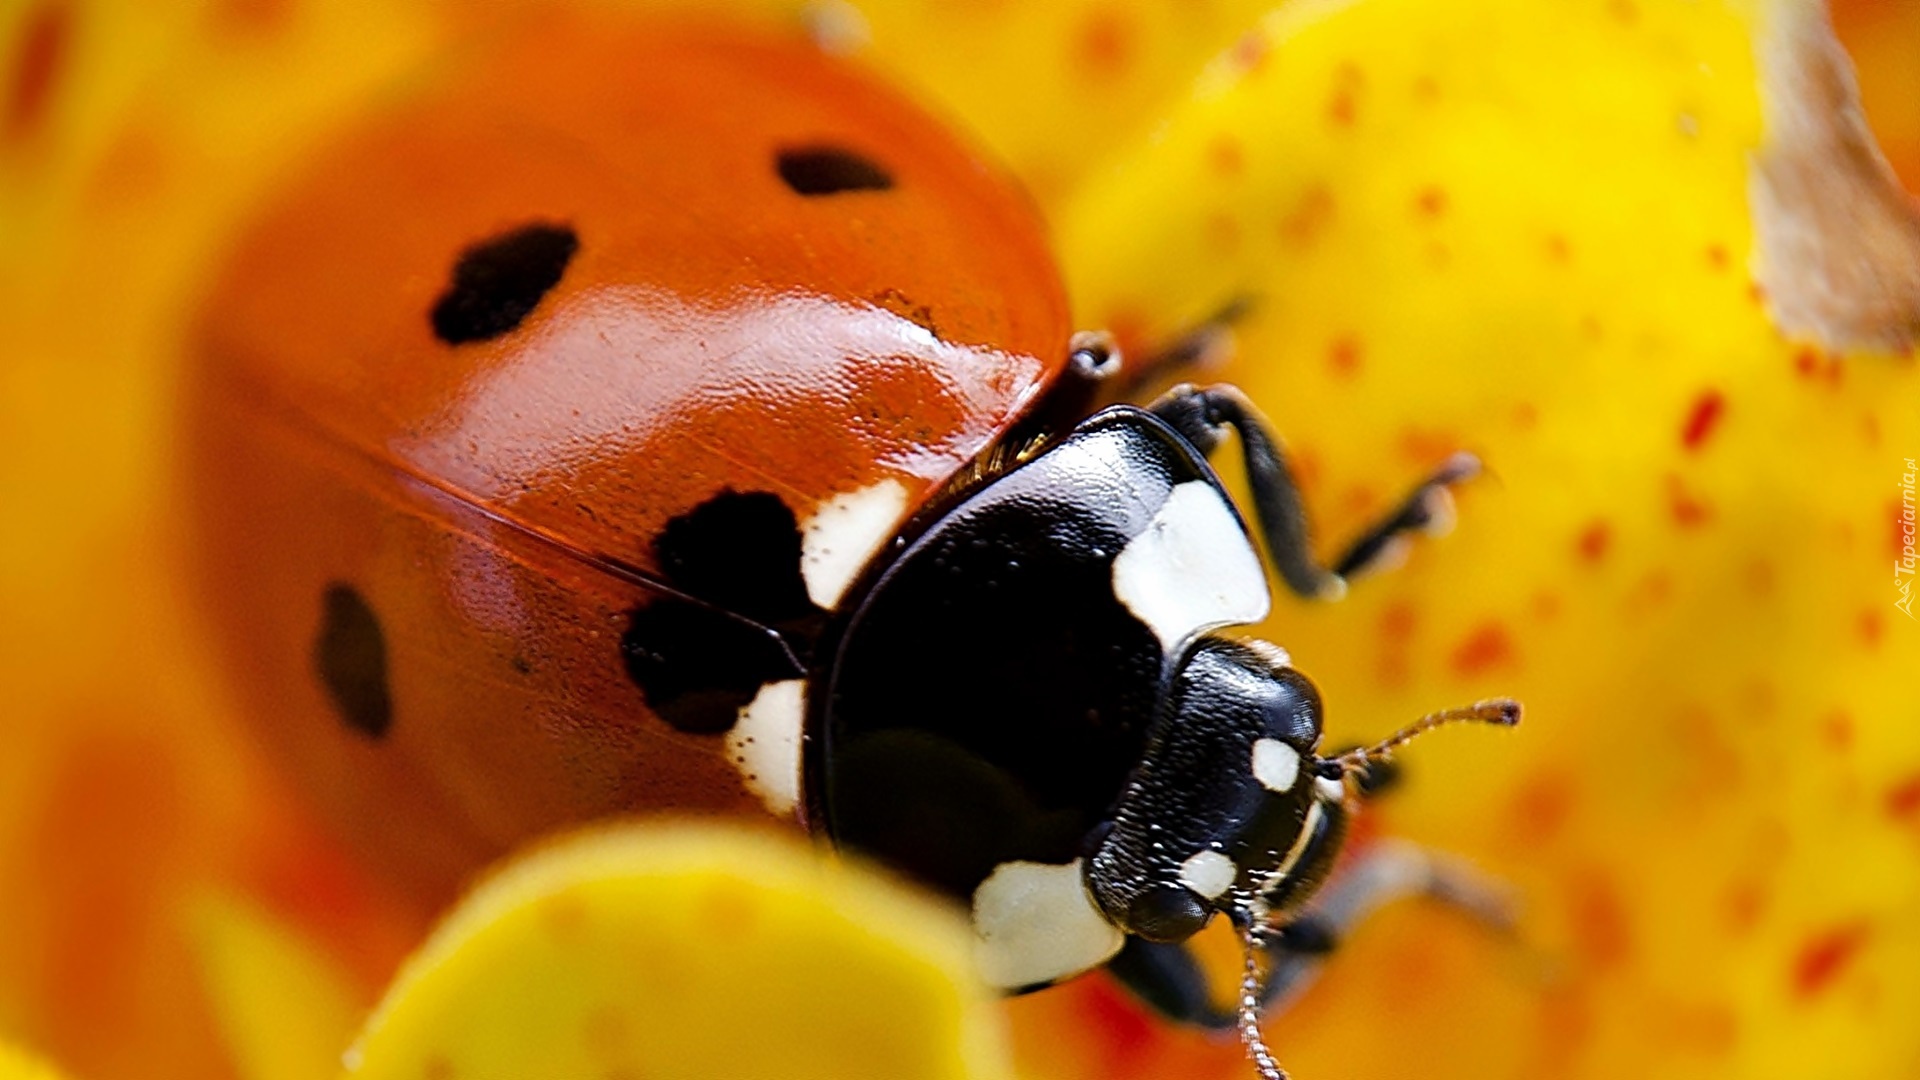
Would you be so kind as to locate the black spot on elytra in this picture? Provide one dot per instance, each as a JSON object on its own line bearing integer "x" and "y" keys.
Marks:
{"x": 350, "y": 655}
{"x": 499, "y": 281}
{"x": 829, "y": 170}
{"x": 698, "y": 662}
{"x": 698, "y": 666}
{"x": 739, "y": 551}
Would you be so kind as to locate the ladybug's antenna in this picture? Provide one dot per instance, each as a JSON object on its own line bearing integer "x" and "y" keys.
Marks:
{"x": 1249, "y": 1011}
{"x": 1502, "y": 711}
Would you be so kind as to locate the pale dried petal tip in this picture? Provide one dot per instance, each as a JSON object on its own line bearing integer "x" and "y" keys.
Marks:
{"x": 1838, "y": 239}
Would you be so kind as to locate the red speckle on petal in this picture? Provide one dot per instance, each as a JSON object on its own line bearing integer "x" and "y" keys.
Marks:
{"x": 1431, "y": 201}
{"x": 1873, "y": 627}
{"x": 1903, "y": 800}
{"x": 1397, "y": 622}
{"x": 1746, "y": 901}
{"x": 1717, "y": 257}
{"x": 1710, "y": 1028}
{"x": 1540, "y": 808}
{"x": 1689, "y": 511}
{"x": 1559, "y": 250}
{"x": 1225, "y": 157}
{"x": 1837, "y": 729}
{"x": 1563, "y": 1032}
{"x": 1359, "y": 501}
{"x": 1427, "y": 447}
{"x": 1715, "y": 763}
{"x": 1343, "y": 108}
{"x": 1487, "y": 648}
{"x": 1106, "y": 44}
{"x": 1702, "y": 419}
{"x": 1602, "y": 932}
{"x": 1652, "y": 591}
{"x": 1823, "y": 957}
{"x": 1594, "y": 541}
{"x": 1343, "y": 356}
{"x": 1309, "y": 218}
{"x": 1811, "y": 364}
{"x": 1250, "y": 52}
{"x": 46, "y": 36}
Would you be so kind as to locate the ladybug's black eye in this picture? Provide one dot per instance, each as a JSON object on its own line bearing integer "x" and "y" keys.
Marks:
{"x": 1167, "y": 912}
{"x": 498, "y": 282}
{"x": 829, "y": 170}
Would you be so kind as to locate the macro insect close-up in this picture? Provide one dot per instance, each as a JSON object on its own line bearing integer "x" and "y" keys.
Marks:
{"x": 907, "y": 539}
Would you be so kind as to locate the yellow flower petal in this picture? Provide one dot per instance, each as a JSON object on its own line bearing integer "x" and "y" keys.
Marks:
{"x": 17, "y": 1064}
{"x": 1054, "y": 86}
{"x": 686, "y": 950}
{"x": 285, "y": 1009}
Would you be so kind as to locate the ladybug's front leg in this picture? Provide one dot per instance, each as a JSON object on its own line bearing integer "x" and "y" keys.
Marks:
{"x": 1170, "y": 978}
{"x": 1202, "y": 416}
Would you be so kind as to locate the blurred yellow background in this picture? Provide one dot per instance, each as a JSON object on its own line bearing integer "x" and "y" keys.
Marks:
{"x": 1512, "y": 227}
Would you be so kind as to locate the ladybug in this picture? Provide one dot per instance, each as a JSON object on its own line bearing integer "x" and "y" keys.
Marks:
{"x": 662, "y": 417}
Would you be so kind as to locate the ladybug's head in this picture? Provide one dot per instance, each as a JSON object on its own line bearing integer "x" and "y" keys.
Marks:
{"x": 1232, "y": 808}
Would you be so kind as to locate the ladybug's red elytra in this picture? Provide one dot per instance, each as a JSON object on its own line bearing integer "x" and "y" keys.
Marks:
{"x": 644, "y": 417}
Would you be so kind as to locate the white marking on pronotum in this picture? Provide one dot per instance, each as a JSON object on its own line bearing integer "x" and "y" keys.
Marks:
{"x": 1192, "y": 569}
{"x": 765, "y": 744}
{"x": 1332, "y": 789}
{"x": 1208, "y": 873}
{"x": 1035, "y": 923}
{"x": 837, "y": 541}
{"x": 1275, "y": 764}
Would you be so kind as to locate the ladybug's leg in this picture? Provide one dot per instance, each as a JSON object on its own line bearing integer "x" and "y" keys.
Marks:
{"x": 1170, "y": 978}
{"x": 1203, "y": 415}
{"x": 1206, "y": 344}
{"x": 1389, "y": 870}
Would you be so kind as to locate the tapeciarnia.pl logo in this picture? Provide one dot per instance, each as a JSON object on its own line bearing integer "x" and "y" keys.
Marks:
{"x": 1903, "y": 566}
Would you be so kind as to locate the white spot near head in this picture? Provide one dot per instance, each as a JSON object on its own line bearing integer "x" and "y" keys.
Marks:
{"x": 1035, "y": 923}
{"x": 837, "y": 541}
{"x": 1275, "y": 764}
{"x": 1208, "y": 873}
{"x": 1193, "y": 569}
{"x": 765, "y": 744}
{"x": 1332, "y": 789}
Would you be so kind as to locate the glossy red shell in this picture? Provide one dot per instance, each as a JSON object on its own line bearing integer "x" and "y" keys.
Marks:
{"x": 715, "y": 330}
